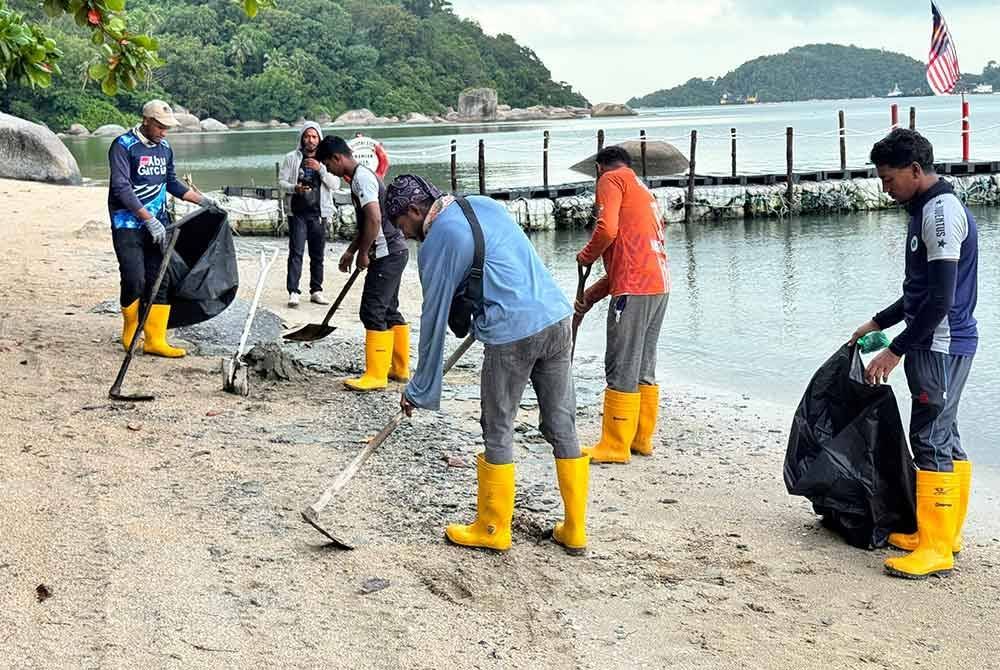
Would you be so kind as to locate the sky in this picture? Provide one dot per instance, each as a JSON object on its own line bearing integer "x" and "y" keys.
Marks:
{"x": 613, "y": 50}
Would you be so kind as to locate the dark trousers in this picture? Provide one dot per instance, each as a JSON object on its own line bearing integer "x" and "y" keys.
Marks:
{"x": 139, "y": 260}
{"x": 302, "y": 229}
{"x": 936, "y": 383}
{"x": 380, "y": 297}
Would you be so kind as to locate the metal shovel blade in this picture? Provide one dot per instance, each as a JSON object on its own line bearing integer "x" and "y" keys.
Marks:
{"x": 310, "y": 518}
{"x": 309, "y": 333}
{"x": 131, "y": 398}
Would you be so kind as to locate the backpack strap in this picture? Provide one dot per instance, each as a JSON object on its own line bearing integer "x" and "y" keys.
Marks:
{"x": 474, "y": 289}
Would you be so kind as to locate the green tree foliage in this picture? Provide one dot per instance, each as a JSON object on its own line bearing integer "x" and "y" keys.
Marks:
{"x": 300, "y": 57}
{"x": 815, "y": 71}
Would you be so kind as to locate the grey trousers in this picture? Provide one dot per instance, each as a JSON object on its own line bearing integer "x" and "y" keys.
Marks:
{"x": 546, "y": 360}
{"x": 936, "y": 382}
{"x": 634, "y": 323}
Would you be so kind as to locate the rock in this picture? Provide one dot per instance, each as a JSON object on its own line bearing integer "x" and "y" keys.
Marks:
{"x": 452, "y": 117}
{"x": 301, "y": 121}
{"x": 503, "y": 108}
{"x": 78, "y": 129}
{"x": 603, "y": 109}
{"x": 254, "y": 125}
{"x": 234, "y": 125}
{"x": 274, "y": 123}
{"x": 324, "y": 119}
{"x": 180, "y": 110}
{"x": 213, "y": 126}
{"x": 355, "y": 117}
{"x": 478, "y": 104}
{"x": 416, "y": 117}
{"x": 662, "y": 158}
{"x": 109, "y": 130}
{"x": 189, "y": 123}
{"x": 439, "y": 119}
{"x": 32, "y": 152}
{"x": 374, "y": 584}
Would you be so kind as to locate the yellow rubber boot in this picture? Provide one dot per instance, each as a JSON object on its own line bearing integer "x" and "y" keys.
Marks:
{"x": 937, "y": 512}
{"x": 155, "y": 332}
{"x": 400, "y": 369}
{"x": 649, "y": 408}
{"x": 909, "y": 541}
{"x": 494, "y": 509}
{"x": 574, "y": 483}
{"x": 130, "y": 322}
{"x": 621, "y": 419}
{"x": 378, "y": 354}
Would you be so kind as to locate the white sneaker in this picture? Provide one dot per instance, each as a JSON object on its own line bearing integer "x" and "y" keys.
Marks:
{"x": 318, "y": 298}
{"x": 293, "y": 299}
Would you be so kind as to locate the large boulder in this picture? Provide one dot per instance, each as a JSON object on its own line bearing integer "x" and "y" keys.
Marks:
{"x": 32, "y": 152}
{"x": 662, "y": 159}
{"x": 109, "y": 130}
{"x": 78, "y": 129}
{"x": 189, "y": 123}
{"x": 254, "y": 125}
{"x": 355, "y": 117}
{"x": 213, "y": 126}
{"x": 602, "y": 109}
{"x": 324, "y": 119}
{"x": 479, "y": 104}
{"x": 417, "y": 117}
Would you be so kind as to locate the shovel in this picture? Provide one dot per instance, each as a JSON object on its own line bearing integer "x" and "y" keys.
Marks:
{"x": 234, "y": 370}
{"x": 311, "y": 514}
{"x": 317, "y": 331}
{"x": 582, "y": 271}
{"x": 115, "y": 393}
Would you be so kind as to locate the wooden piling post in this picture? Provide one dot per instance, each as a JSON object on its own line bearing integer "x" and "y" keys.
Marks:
{"x": 843, "y": 141}
{"x": 913, "y": 118}
{"x": 642, "y": 152}
{"x": 454, "y": 166}
{"x": 689, "y": 205}
{"x": 894, "y": 115}
{"x": 545, "y": 160}
{"x": 482, "y": 167}
{"x": 732, "y": 135}
{"x": 789, "y": 166}
{"x": 600, "y": 139}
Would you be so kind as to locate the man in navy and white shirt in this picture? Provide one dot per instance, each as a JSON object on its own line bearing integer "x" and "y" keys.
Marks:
{"x": 938, "y": 343}
{"x": 142, "y": 174}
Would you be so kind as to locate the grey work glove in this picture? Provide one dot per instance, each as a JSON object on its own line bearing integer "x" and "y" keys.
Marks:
{"x": 156, "y": 230}
{"x": 209, "y": 203}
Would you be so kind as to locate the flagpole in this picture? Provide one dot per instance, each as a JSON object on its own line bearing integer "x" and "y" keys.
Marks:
{"x": 965, "y": 129}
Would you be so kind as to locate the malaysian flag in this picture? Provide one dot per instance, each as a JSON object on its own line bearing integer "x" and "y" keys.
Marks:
{"x": 942, "y": 63}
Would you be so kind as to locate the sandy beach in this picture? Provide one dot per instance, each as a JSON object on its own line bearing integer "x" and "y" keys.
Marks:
{"x": 167, "y": 534}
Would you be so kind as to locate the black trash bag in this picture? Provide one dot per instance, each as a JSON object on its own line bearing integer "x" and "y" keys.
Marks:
{"x": 204, "y": 276}
{"x": 847, "y": 454}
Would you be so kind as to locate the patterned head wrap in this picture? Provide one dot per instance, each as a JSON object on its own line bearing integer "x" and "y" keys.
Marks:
{"x": 406, "y": 190}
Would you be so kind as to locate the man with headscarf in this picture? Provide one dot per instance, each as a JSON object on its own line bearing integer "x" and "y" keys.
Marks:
{"x": 380, "y": 249}
{"x": 142, "y": 174}
{"x": 310, "y": 187}
{"x": 524, "y": 321}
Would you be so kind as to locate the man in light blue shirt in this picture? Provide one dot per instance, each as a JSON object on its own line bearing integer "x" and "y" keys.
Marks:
{"x": 524, "y": 322}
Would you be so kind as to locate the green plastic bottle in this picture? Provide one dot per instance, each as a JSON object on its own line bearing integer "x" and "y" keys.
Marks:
{"x": 873, "y": 342}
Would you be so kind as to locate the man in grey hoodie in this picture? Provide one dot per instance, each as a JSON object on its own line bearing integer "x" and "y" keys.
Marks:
{"x": 310, "y": 188}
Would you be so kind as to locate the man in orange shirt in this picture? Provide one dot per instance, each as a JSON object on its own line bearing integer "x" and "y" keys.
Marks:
{"x": 629, "y": 239}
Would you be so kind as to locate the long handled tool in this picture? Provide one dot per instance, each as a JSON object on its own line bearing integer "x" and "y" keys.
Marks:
{"x": 317, "y": 331}
{"x": 582, "y": 271}
{"x": 115, "y": 393}
{"x": 234, "y": 371}
{"x": 311, "y": 514}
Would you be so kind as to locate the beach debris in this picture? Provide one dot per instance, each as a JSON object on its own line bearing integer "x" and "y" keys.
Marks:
{"x": 43, "y": 593}
{"x": 373, "y": 585}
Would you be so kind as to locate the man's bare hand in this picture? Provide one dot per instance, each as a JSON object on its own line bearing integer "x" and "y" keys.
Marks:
{"x": 881, "y": 367}
{"x": 869, "y": 327}
{"x": 346, "y": 261}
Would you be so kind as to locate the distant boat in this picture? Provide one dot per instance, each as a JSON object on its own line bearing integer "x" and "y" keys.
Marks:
{"x": 895, "y": 92}
{"x": 986, "y": 89}
{"x": 752, "y": 99}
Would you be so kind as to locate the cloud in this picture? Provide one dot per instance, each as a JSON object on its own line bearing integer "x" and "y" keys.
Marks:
{"x": 611, "y": 51}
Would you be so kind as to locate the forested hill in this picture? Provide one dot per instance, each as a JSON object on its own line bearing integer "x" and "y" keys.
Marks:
{"x": 815, "y": 71}
{"x": 303, "y": 58}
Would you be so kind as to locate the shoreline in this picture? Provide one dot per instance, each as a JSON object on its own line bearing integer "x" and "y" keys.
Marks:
{"x": 168, "y": 533}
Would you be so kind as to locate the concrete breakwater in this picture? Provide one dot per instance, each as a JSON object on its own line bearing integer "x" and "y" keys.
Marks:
{"x": 253, "y": 216}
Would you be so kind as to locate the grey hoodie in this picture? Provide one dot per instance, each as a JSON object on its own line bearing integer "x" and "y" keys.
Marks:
{"x": 288, "y": 176}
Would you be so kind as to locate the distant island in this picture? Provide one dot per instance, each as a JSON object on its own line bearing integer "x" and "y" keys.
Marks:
{"x": 814, "y": 72}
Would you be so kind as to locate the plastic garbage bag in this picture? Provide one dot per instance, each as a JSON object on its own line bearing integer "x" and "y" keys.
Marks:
{"x": 204, "y": 276}
{"x": 847, "y": 453}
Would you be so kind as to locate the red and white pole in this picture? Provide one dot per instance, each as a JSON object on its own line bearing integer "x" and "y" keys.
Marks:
{"x": 895, "y": 116}
{"x": 966, "y": 130}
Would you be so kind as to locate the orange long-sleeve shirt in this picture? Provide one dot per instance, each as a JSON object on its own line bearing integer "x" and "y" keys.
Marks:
{"x": 629, "y": 238}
